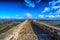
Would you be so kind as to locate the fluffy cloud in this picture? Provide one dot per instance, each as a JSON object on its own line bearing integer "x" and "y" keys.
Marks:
{"x": 40, "y": 16}
{"x": 17, "y": 15}
{"x": 46, "y": 16}
{"x": 3, "y": 17}
{"x": 55, "y": 7}
{"x": 46, "y": 10}
{"x": 28, "y": 15}
{"x": 57, "y": 12}
{"x": 57, "y": 16}
{"x": 11, "y": 17}
{"x": 50, "y": 16}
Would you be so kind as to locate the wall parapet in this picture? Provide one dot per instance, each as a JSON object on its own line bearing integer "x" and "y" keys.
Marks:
{"x": 20, "y": 29}
{"x": 51, "y": 30}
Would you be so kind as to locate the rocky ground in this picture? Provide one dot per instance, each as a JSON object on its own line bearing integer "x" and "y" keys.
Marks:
{"x": 27, "y": 33}
{"x": 8, "y": 33}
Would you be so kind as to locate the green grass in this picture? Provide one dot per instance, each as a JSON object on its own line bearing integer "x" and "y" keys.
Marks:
{"x": 1, "y": 28}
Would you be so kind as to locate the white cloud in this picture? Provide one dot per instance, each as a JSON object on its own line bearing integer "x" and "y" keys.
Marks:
{"x": 5, "y": 17}
{"x": 50, "y": 16}
{"x": 56, "y": 7}
{"x": 57, "y": 12}
{"x": 11, "y": 17}
{"x": 28, "y": 15}
{"x": 46, "y": 10}
{"x": 20, "y": 17}
{"x": 40, "y": 16}
{"x": 17, "y": 15}
{"x": 53, "y": 4}
{"x": 57, "y": 16}
{"x": 46, "y": 16}
{"x": 2, "y": 17}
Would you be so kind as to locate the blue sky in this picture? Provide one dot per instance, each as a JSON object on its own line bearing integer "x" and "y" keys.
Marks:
{"x": 17, "y": 8}
{"x": 13, "y": 8}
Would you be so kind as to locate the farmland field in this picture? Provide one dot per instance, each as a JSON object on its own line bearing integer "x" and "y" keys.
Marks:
{"x": 29, "y": 30}
{"x": 7, "y": 27}
{"x": 52, "y": 23}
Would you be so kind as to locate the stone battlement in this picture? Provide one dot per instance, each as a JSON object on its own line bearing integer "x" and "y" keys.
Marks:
{"x": 51, "y": 30}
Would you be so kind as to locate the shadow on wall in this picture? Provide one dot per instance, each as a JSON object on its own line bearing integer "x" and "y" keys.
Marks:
{"x": 40, "y": 34}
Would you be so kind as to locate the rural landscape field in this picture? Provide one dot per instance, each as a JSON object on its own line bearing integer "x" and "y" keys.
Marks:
{"x": 7, "y": 27}
{"x": 29, "y": 30}
{"x": 55, "y": 23}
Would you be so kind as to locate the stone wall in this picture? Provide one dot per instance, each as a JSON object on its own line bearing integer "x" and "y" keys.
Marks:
{"x": 24, "y": 32}
{"x": 20, "y": 30}
{"x": 54, "y": 32}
